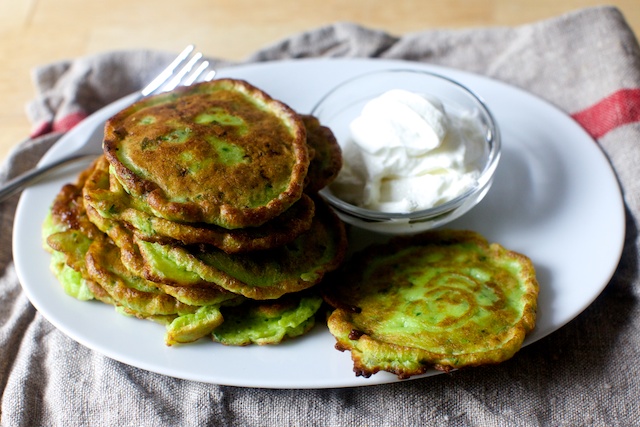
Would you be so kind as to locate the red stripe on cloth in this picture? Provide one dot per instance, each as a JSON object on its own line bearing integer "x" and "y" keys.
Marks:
{"x": 617, "y": 109}
{"x": 68, "y": 121}
{"x": 40, "y": 129}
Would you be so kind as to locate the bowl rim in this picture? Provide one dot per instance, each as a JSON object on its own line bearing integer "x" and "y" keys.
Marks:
{"x": 486, "y": 175}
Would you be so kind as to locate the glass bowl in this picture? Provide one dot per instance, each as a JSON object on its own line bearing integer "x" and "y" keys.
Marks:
{"x": 344, "y": 103}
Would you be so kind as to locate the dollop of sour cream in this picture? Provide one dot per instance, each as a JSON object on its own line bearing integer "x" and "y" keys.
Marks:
{"x": 407, "y": 153}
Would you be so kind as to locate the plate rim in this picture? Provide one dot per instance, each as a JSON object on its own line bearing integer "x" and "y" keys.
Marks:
{"x": 366, "y": 63}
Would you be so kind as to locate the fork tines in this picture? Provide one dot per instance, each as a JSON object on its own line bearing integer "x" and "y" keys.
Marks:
{"x": 188, "y": 68}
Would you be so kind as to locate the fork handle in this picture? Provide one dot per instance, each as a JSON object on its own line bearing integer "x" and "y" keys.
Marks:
{"x": 18, "y": 183}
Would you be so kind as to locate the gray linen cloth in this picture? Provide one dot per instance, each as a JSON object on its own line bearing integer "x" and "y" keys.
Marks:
{"x": 586, "y": 373}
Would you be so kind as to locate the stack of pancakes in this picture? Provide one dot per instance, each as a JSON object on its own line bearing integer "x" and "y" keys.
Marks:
{"x": 202, "y": 214}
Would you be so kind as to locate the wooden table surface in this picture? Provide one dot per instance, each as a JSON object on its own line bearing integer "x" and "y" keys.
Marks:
{"x": 35, "y": 32}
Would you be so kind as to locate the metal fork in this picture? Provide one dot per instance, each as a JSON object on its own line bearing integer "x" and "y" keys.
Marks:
{"x": 187, "y": 68}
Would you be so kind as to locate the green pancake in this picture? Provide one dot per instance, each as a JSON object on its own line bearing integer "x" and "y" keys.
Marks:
{"x": 268, "y": 322}
{"x": 326, "y": 158}
{"x": 71, "y": 279}
{"x": 89, "y": 266}
{"x": 258, "y": 275}
{"x": 220, "y": 152}
{"x": 443, "y": 300}
{"x": 109, "y": 199}
{"x": 202, "y": 215}
{"x": 138, "y": 294}
{"x": 67, "y": 235}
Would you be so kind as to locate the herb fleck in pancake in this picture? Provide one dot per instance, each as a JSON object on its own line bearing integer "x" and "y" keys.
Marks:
{"x": 220, "y": 152}
{"x": 259, "y": 275}
{"x": 88, "y": 265}
{"x": 202, "y": 215}
{"x": 108, "y": 198}
{"x": 268, "y": 322}
{"x": 444, "y": 300}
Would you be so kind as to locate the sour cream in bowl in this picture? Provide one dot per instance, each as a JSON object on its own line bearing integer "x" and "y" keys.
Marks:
{"x": 419, "y": 150}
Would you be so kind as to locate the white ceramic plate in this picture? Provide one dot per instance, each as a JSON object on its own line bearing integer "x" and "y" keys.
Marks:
{"x": 555, "y": 198}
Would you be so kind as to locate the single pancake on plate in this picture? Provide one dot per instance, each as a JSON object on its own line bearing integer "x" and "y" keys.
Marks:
{"x": 438, "y": 300}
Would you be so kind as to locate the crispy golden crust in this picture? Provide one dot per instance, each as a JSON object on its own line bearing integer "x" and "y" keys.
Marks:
{"x": 126, "y": 289}
{"x": 258, "y": 275}
{"x": 107, "y": 197}
{"x": 142, "y": 296}
{"x": 71, "y": 232}
{"x": 443, "y": 300}
{"x": 326, "y": 160}
{"x": 67, "y": 209}
{"x": 99, "y": 262}
{"x": 198, "y": 205}
{"x": 280, "y": 231}
{"x": 220, "y": 152}
{"x": 292, "y": 268}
